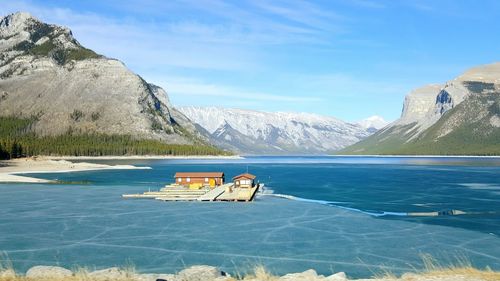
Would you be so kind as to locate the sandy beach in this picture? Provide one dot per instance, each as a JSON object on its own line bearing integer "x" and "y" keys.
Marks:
{"x": 142, "y": 157}
{"x": 12, "y": 170}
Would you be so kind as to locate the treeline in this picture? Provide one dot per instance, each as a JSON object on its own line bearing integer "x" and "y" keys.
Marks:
{"x": 17, "y": 140}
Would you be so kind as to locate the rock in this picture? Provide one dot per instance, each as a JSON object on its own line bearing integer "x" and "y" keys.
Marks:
{"x": 339, "y": 276}
{"x": 48, "y": 272}
{"x": 224, "y": 278}
{"x": 7, "y": 274}
{"x": 410, "y": 276}
{"x": 111, "y": 274}
{"x": 308, "y": 275}
{"x": 199, "y": 273}
{"x": 154, "y": 277}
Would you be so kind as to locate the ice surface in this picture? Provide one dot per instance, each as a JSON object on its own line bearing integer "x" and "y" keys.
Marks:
{"x": 94, "y": 227}
{"x": 91, "y": 225}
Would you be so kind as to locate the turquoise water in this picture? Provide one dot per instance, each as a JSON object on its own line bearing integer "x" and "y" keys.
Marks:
{"x": 348, "y": 215}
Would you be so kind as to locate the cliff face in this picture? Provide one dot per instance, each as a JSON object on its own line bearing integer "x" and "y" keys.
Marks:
{"x": 47, "y": 74}
{"x": 457, "y": 118}
{"x": 419, "y": 104}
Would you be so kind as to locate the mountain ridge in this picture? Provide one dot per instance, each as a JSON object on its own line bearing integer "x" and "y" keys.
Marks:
{"x": 459, "y": 117}
{"x": 45, "y": 72}
{"x": 257, "y": 132}
{"x": 59, "y": 98}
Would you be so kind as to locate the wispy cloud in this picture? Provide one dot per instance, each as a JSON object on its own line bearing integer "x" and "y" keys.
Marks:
{"x": 184, "y": 86}
{"x": 228, "y": 37}
{"x": 346, "y": 85}
{"x": 368, "y": 4}
{"x": 138, "y": 43}
{"x": 306, "y": 14}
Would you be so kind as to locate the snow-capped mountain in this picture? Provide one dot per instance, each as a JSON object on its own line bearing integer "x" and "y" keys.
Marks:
{"x": 373, "y": 123}
{"x": 257, "y": 132}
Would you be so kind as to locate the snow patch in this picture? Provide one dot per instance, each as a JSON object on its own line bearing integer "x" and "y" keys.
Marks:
{"x": 495, "y": 121}
{"x": 373, "y": 122}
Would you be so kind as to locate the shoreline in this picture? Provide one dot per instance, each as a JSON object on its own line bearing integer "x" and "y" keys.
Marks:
{"x": 259, "y": 273}
{"x": 415, "y": 156}
{"x": 143, "y": 157}
{"x": 11, "y": 171}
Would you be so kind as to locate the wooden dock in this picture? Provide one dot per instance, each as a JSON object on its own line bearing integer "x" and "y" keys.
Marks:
{"x": 213, "y": 194}
{"x": 225, "y": 192}
{"x": 238, "y": 194}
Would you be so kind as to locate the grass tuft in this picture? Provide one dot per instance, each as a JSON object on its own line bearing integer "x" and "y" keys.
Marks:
{"x": 461, "y": 269}
{"x": 260, "y": 273}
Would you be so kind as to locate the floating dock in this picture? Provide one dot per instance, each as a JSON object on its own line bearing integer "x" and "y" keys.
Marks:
{"x": 204, "y": 186}
{"x": 225, "y": 192}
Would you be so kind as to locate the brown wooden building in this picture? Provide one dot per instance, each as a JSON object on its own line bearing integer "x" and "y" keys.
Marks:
{"x": 244, "y": 180}
{"x": 199, "y": 179}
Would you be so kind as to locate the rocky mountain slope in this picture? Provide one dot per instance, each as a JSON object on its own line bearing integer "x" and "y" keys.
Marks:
{"x": 47, "y": 75}
{"x": 256, "y": 132}
{"x": 459, "y": 117}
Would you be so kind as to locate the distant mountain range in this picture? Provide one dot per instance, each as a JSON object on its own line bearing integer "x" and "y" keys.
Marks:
{"x": 258, "y": 132}
{"x": 459, "y": 117}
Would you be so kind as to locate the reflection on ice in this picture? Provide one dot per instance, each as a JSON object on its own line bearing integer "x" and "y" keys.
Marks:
{"x": 483, "y": 186}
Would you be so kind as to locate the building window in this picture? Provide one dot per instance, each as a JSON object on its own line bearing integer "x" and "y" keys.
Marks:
{"x": 206, "y": 179}
{"x": 188, "y": 179}
{"x": 179, "y": 179}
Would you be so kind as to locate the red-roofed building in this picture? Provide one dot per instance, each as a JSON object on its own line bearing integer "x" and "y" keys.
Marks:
{"x": 244, "y": 180}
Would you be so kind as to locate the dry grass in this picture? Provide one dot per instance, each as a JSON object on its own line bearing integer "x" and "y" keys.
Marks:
{"x": 462, "y": 267}
{"x": 468, "y": 272}
{"x": 260, "y": 273}
{"x": 433, "y": 270}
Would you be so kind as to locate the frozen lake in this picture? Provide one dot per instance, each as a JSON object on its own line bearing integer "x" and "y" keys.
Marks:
{"x": 341, "y": 228}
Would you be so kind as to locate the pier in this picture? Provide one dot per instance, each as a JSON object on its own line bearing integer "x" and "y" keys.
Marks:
{"x": 204, "y": 188}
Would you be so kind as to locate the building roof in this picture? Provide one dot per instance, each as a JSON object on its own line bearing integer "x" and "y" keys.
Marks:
{"x": 199, "y": 175}
{"x": 245, "y": 175}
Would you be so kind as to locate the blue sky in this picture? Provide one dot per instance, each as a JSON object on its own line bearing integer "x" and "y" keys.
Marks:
{"x": 349, "y": 59}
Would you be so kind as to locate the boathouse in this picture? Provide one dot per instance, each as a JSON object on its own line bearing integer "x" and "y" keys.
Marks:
{"x": 199, "y": 179}
{"x": 244, "y": 180}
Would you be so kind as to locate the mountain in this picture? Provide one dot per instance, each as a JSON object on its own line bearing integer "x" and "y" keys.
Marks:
{"x": 372, "y": 123}
{"x": 257, "y": 132}
{"x": 46, "y": 75}
{"x": 460, "y": 117}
